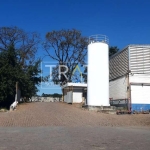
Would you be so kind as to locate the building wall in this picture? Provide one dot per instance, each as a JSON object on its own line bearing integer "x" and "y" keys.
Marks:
{"x": 73, "y": 94}
{"x": 77, "y": 95}
{"x": 65, "y": 98}
{"x": 118, "y": 64}
{"x": 135, "y": 58}
{"x": 140, "y": 69}
{"x": 67, "y": 94}
{"x": 139, "y": 78}
{"x": 139, "y": 59}
{"x": 68, "y": 97}
{"x": 118, "y": 88}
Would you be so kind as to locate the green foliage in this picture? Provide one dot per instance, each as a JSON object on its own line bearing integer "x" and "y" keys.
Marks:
{"x": 18, "y": 63}
{"x": 11, "y": 72}
{"x": 30, "y": 80}
{"x": 8, "y": 73}
{"x": 52, "y": 95}
{"x": 113, "y": 50}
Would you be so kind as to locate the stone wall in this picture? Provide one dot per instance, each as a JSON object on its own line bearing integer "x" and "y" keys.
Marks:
{"x": 46, "y": 99}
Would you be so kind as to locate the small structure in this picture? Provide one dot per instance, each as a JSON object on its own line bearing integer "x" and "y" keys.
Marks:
{"x": 129, "y": 78}
{"x": 74, "y": 92}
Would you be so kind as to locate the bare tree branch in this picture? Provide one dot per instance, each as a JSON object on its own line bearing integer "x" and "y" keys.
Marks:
{"x": 25, "y": 44}
{"x": 66, "y": 47}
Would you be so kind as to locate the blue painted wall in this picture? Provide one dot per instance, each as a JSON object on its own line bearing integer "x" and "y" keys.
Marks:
{"x": 139, "y": 107}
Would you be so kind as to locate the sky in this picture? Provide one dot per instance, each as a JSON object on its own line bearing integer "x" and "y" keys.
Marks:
{"x": 123, "y": 21}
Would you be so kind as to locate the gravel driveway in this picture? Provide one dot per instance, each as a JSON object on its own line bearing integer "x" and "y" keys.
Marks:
{"x": 59, "y": 126}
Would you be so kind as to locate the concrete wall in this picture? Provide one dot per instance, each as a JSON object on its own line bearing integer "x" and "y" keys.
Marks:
{"x": 77, "y": 95}
{"x": 65, "y": 98}
{"x": 73, "y": 95}
{"x": 118, "y": 88}
{"x": 68, "y": 97}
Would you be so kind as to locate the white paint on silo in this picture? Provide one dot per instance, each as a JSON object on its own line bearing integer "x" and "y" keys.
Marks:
{"x": 98, "y": 71}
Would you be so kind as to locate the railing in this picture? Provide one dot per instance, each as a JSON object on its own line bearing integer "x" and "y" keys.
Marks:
{"x": 98, "y": 38}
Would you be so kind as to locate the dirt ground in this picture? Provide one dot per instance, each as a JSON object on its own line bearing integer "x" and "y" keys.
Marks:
{"x": 59, "y": 126}
{"x": 62, "y": 114}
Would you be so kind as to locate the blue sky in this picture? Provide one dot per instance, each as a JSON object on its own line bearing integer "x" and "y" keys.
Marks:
{"x": 123, "y": 21}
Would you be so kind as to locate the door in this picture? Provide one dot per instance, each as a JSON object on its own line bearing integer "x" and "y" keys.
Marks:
{"x": 140, "y": 97}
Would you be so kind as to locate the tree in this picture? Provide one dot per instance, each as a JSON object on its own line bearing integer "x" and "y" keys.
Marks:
{"x": 66, "y": 47}
{"x": 25, "y": 44}
{"x": 30, "y": 80}
{"x": 112, "y": 50}
{"x": 11, "y": 72}
{"x": 8, "y": 73}
{"x": 52, "y": 95}
{"x": 18, "y": 63}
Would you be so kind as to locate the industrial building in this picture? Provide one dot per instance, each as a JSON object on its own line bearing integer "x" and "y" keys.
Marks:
{"x": 129, "y": 77}
{"x": 123, "y": 80}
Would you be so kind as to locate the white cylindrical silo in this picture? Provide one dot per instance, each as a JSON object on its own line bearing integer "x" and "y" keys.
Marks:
{"x": 98, "y": 71}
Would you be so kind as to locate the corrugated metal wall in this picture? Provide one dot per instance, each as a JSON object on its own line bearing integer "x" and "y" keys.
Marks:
{"x": 139, "y": 59}
{"x": 118, "y": 64}
{"x": 135, "y": 58}
{"x": 118, "y": 88}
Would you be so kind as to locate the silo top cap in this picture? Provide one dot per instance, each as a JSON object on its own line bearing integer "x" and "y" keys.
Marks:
{"x": 98, "y": 38}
